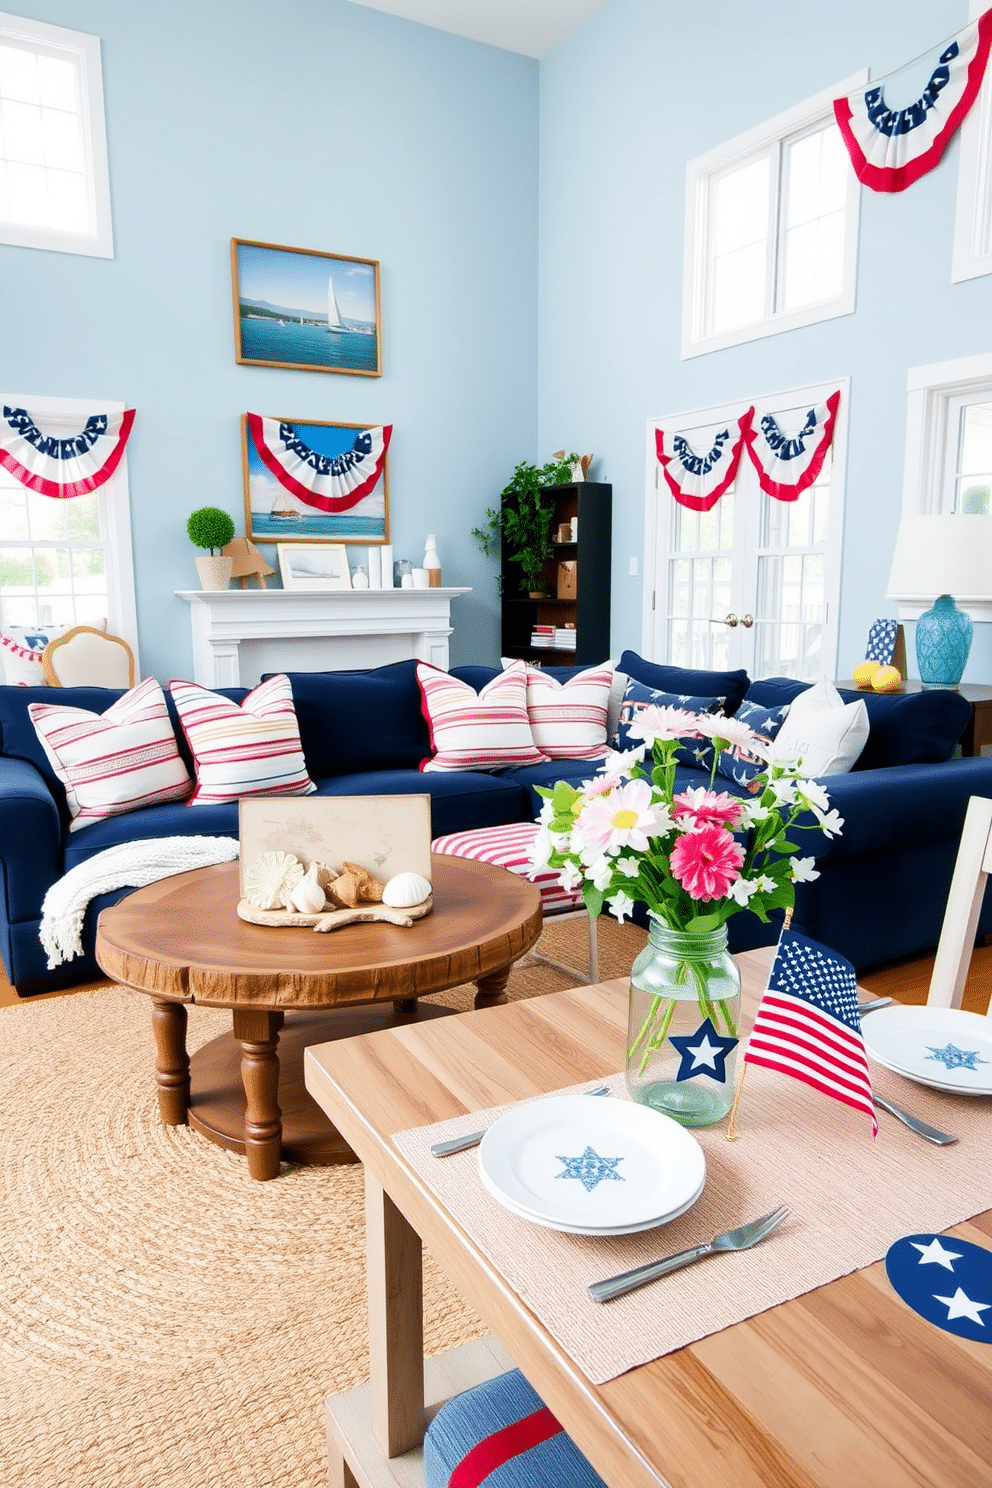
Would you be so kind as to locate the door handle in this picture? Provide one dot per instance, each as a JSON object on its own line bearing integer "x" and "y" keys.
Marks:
{"x": 747, "y": 621}
{"x": 730, "y": 620}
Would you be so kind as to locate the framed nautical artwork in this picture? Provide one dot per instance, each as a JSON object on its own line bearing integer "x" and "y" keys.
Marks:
{"x": 312, "y": 481}
{"x": 307, "y": 567}
{"x": 300, "y": 308}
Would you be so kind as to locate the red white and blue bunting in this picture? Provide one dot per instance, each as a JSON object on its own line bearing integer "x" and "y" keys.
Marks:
{"x": 698, "y": 481}
{"x": 59, "y": 467}
{"x": 787, "y": 464}
{"x": 892, "y": 148}
{"x": 331, "y": 483}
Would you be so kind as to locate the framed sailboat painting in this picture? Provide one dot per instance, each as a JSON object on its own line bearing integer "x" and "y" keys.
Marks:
{"x": 312, "y": 481}
{"x": 300, "y": 308}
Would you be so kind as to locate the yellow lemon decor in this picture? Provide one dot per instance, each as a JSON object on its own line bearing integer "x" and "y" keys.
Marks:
{"x": 886, "y": 679}
{"x": 864, "y": 673}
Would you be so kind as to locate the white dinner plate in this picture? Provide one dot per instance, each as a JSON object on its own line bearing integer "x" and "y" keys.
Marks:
{"x": 592, "y": 1230}
{"x": 600, "y": 1165}
{"x": 943, "y": 1047}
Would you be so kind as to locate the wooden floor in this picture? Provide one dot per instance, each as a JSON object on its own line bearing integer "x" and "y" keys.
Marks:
{"x": 906, "y": 980}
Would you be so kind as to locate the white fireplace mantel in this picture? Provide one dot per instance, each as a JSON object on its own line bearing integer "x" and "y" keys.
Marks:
{"x": 240, "y": 634}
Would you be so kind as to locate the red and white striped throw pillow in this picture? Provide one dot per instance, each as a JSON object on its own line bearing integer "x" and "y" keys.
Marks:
{"x": 251, "y": 749}
{"x": 477, "y": 730}
{"x": 116, "y": 761}
{"x": 568, "y": 719}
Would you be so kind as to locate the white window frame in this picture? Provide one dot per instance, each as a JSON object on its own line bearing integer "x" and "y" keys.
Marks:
{"x": 972, "y": 253}
{"x": 83, "y": 52}
{"x": 934, "y": 392}
{"x": 115, "y": 508}
{"x": 803, "y": 117}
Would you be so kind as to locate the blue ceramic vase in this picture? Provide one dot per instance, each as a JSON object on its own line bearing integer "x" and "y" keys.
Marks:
{"x": 943, "y": 640}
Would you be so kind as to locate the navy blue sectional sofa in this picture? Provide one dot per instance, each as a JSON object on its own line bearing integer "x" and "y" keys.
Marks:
{"x": 882, "y": 887}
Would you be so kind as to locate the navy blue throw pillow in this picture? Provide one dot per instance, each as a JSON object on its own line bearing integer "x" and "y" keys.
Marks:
{"x": 739, "y": 765}
{"x": 693, "y": 750}
{"x": 731, "y": 686}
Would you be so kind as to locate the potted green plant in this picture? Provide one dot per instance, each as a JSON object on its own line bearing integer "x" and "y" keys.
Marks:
{"x": 523, "y": 518}
{"x": 211, "y": 528}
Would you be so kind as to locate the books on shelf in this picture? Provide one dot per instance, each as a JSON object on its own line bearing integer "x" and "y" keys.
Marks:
{"x": 564, "y": 638}
{"x": 542, "y": 635}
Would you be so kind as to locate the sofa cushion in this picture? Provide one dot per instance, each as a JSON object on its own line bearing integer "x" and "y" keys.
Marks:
{"x": 19, "y": 738}
{"x": 369, "y": 720}
{"x": 729, "y": 685}
{"x": 907, "y": 728}
{"x": 114, "y": 761}
{"x": 169, "y": 820}
{"x": 566, "y": 674}
{"x": 738, "y": 763}
{"x": 247, "y": 750}
{"x": 823, "y": 731}
{"x": 568, "y": 719}
{"x": 477, "y": 730}
{"x": 695, "y": 750}
{"x": 459, "y": 798}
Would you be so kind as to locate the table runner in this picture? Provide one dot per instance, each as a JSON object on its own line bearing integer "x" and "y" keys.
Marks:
{"x": 850, "y": 1199}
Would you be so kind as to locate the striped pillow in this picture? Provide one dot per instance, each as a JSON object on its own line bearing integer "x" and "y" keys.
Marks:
{"x": 568, "y": 719}
{"x": 251, "y": 750}
{"x": 477, "y": 730}
{"x": 116, "y": 761}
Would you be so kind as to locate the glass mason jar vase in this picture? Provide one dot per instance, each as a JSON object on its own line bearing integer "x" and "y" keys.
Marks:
{"x": 685, "y": 1000}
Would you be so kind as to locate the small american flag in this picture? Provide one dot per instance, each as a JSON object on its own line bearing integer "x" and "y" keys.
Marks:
{"x": 808, "y": 1024}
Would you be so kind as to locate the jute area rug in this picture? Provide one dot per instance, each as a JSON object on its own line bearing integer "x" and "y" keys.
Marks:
{"x": 165, "y": 1322}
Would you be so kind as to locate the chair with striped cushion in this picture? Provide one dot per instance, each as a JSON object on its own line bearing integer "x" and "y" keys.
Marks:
{"x": 502, "y": 1435}
{"x": 509, "y": 847}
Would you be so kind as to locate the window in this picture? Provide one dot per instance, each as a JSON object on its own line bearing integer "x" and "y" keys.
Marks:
{"x": 949, "y": 438}
{"x": 54, "y": 186}
{"x": 771, "y": 230}
{"x": 973, "y": 217}
{"x": 66, "y": 562}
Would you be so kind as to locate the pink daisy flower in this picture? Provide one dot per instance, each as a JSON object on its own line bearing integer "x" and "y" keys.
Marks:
{"x": 737, "y": 734}
{"x": 651, "y": 723}
{"x": 624, "y": 817}
{"x": 707, "y": 862}
{"x": 699, "y": 807}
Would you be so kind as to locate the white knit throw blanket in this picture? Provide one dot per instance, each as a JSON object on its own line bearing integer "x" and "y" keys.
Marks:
{"x": 129, "y": 865}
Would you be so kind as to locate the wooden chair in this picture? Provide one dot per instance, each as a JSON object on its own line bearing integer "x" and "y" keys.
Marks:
{"x": 964, "y": 905}
{"x": 86, "y": 657}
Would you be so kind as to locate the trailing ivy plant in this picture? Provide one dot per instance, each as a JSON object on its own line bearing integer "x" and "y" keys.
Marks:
{"x": 524, "y": 517}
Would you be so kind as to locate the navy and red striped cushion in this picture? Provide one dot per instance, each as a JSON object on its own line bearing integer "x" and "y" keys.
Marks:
{"x": 502, "y": 1435}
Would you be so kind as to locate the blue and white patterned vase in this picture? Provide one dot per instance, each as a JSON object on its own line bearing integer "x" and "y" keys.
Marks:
{"x": 684, "y": 1014}
{"x": 943, "y": 640}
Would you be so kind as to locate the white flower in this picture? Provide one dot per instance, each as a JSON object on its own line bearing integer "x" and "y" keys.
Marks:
{"x": 651, "y": 723}
{"x": 736, "y": 733}
{"x": 742, "y": 889}
{"x": 546, "y": 814}
{"x": 621, "y": 904}
{"x": 778, "y": 756}
{"x": 764, "y": 883}
{"x": 570, "y": 876}
{"x": 621, "y": 762}
{"x": 540, "y": 850}
{"x": 803, "y": 870}
{"x": 812, "y": 793}
{"x": 752, "y": 812}
{"x": 831, "y": 822}
{"x": 599, "y": 873}
{"x": 629, "y": 867}
{"x": 784, "y": 791}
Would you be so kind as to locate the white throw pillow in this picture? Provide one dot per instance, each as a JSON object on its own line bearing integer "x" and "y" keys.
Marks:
{"x": 824, "y": 731}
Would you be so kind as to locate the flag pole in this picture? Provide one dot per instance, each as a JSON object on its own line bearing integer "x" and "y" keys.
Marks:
{"x": 730, "y": 1134}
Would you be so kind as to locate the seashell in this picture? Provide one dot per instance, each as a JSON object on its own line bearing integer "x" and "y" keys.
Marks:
{"x": 271, "y": 879}
{"x": 308, "y": 895}
{"x": 369, "y": 888}
{"x": 406, "y": 889}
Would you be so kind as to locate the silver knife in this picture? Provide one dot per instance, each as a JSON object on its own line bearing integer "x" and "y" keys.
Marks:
{"x": 942, "y": 1139}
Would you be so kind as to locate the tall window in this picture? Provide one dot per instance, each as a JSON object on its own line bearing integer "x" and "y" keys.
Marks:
{"x": 771, "y": 230}
{"x": 949, "y": 438}
{"x": 66, "y": 562}
{"x": 54, "y": 187}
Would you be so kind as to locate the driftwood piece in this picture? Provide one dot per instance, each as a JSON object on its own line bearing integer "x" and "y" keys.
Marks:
{"x": 333, "y": 919}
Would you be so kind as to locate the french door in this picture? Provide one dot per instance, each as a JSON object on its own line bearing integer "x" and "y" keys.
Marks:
{"x": 754, "y": 582}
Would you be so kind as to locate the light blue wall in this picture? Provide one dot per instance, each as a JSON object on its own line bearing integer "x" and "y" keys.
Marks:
{"x": 641, "y": 88}
{"x": 317, "y": 124}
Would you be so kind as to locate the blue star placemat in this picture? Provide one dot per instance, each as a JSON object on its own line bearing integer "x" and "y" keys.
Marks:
{"x": 946, "y": 1281}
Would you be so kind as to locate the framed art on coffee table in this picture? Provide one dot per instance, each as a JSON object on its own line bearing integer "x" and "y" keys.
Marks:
{"x": 313, "y": 481}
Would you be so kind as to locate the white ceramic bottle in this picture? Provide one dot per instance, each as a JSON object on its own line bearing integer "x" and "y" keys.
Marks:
{"x": 432, "y": 562}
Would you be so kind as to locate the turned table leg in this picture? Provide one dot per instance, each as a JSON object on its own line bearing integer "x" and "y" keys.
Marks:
{"x": 491, "y": 989}
{"x": 172, "y": 1063}
{"x": 257, "y": 1031}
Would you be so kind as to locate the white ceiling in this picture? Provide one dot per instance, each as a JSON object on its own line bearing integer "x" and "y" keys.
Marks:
{"x": 532, "y": 27}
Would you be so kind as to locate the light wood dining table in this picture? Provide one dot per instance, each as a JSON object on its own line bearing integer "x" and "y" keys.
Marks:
{"x": 842, "y": 1387}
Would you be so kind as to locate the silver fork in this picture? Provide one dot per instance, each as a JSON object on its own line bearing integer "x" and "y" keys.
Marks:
{"x": 472, "y": 1139}
{"x": 740, "y": 1239}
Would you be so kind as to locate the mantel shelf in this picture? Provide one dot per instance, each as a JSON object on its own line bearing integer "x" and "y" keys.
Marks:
{"x": 240, "y": 634}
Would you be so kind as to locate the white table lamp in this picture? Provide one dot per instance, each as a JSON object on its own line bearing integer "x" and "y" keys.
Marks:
{"x": 939, "y": 560}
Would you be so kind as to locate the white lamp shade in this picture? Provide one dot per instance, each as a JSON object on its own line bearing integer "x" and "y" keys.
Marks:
{"x": 942, "y": 555}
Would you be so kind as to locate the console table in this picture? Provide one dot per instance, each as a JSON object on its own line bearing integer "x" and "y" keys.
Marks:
{"x": 240, "y": 634}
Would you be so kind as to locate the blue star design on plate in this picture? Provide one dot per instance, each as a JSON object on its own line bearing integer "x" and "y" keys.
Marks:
{"x": 590, "y": 1168}
{"x": 703, "y": 1052}
{"x": 951, "y": 1057}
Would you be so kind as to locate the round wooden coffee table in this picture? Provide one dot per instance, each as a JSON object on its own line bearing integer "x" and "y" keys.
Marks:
{"x": 180, "y": 941}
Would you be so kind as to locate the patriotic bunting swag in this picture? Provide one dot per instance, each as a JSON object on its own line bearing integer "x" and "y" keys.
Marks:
{"x": 892, "y": 148}
{"x": 788, "y": 464}
{"x": 698, "y": 481}
{"x": 331, "y": 483}
{"x": 63, "y": 467}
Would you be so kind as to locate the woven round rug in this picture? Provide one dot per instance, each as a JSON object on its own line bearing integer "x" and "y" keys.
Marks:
{"x": 166, "y": 1322}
